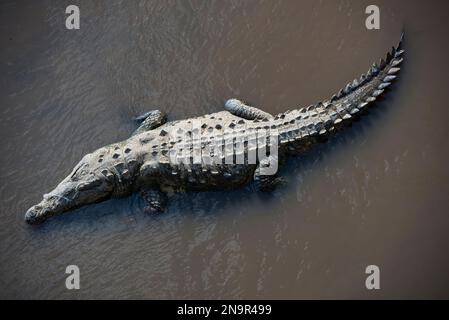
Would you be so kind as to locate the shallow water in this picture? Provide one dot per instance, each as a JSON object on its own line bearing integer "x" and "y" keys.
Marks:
{"x": 375, "y": 194}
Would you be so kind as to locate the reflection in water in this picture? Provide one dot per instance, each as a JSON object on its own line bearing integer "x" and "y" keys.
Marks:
{"x": 375, "y": 194}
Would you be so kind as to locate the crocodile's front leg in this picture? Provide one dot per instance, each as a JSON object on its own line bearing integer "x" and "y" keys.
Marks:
{"x": 156, "y": 201}
{"x": 239, "y": 109}
{"x": 151, "y": 120}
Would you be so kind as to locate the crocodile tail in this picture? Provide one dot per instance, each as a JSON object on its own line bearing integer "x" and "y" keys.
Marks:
{"x": 308, "y": 124}
{"x": 359, "y": 93}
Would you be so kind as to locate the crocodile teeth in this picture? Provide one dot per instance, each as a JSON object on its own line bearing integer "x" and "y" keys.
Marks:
{"x": 347, "y": 116}
{"x": 322, "y": 131}
{"x": 370, "y": 99}
{"x": 383, "y": 85}
{"x": 393, "y": 70}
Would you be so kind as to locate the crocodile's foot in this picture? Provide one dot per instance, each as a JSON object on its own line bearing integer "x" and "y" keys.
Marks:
{"x": 269, "y": 183}
{"x": 156, "y": 201}
{"x": 150, "y": 120}
{"x": 265, "y": 178}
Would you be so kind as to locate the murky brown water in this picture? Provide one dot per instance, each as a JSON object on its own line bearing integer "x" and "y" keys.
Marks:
{"x": 375, "y": 194}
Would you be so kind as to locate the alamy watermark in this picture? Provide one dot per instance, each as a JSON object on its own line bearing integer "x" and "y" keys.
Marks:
{"x": 372, "y": 22}
{"x": 373, "y": 280}
{"x": 73, "y": 20}
{"x": 194, "y": 145}
{"x": 72, "y": 282}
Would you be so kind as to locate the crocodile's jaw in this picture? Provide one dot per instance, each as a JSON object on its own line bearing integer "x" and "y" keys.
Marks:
{"x": 69, "y": 194}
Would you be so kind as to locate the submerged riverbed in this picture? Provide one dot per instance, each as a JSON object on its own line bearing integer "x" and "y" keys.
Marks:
{"x": 374, "y": 194}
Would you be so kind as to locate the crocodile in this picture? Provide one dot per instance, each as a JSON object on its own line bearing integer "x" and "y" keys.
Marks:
{"x": 190, "y": 155}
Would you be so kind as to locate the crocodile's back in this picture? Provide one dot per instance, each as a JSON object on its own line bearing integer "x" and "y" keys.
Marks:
{"x": 178, "y": 155}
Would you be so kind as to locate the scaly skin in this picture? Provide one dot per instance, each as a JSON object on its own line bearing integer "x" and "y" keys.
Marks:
{"x": 144, "y": 161}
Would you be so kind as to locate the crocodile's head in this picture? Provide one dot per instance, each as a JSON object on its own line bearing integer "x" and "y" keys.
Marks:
{"x": 83, "y": 186}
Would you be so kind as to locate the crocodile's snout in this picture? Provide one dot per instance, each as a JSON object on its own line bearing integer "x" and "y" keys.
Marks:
{"x": 50, "y": 205}
{"x": 76, "y": 190}
{"x": 36, "y": 215}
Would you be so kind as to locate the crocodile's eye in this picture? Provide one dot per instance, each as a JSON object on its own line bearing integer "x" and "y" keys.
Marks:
{"x": 89, "y": 184}
{"x": 80, "y": 172}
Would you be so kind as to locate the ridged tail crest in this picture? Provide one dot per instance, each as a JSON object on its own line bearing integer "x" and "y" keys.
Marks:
{"x": 356, "y": 95}
{"x": 303, "y": 126}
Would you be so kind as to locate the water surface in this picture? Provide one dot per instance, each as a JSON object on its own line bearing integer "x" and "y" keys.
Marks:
{"x": 375, "y": 194}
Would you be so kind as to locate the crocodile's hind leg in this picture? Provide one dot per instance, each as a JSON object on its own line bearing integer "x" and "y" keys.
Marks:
{"x": 267, "y": 182}
{"x": 150, "y": 120}
{"x": 239, "y": 109}
{"x": 156, "y": 201}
